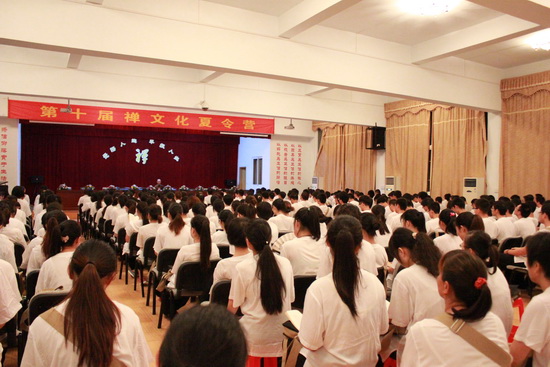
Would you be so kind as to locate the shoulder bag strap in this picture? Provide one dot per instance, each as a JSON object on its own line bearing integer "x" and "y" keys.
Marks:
{"x": 56, "y": 320}
{"x": 477, "y": 340}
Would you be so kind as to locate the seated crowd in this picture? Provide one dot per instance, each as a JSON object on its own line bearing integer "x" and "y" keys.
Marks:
{"x": 393, "y": 276}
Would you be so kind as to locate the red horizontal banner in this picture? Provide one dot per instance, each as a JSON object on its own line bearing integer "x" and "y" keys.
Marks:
{"x": 40, "y": 111}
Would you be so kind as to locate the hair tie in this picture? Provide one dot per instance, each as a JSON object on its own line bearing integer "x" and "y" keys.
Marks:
{"x": 65, "y": 239}
{"x": 480, "y": 282}
{"x": 90, "y": 262}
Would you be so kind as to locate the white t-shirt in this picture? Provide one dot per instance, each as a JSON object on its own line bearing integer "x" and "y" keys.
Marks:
{"x": 274, "y": 232}
{"x": 36, "y": 258}
{"x": 304, "y": 254}
{"x": 380, "y": 254}
{"x": 46, "y": 346}
{"x": 264, "y": 333}
{"x": 534, "y": 330}
{"x": 525, "y": 227}
{"x": 432, "y": 225}
{"x": 10, "y": 298}
{"x": 189, "y": 253}
{"x": 25, "y": 207}
{"x": 283, "y": 222}
{"x": 506, "y": 229}
{"x": 121, "y": 222}
{"x": 366, "y": 256}
{"x": 394, "y": 222}
{"x": 382, "y": 239}
{"x": 490, "y": 227}
{"x": 220, "y": 237}
{"x": 165, "y": 238}
{"x": 447, "y": 242}
{"x": 7, "y": 251}
{"x": 226, "y": 267}
{"x": 14, "y": 235}
{"x": 37, "y": 241}
{"x": 430, "y": 343}
{"x": 145, "y": 232}
{"x": 502, "y": 299}
{"x": 16, "y": 223}
{"x": 54, "y": 274}
{"x": 335, "y": 337}
{"x": 414, "y": 297}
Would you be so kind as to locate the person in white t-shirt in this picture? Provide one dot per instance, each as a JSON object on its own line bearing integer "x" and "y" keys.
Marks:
{"x": 19, "y": 193}
{"x": 265, "y": 211}
{"x": 414, "y": 290}
{"x": 204, "y": 336}
{"x": 524, "y": 225}
{"x": 533, "y": 334}
{"x": 344, "y": 311}
{"x": 505, "y": 225}
{"x": 176, "y": 234}
{"x": 450, "y": 240}
{"x": 263, "y": 287}
{"x": 10, "y": 298}
{"x": 304, "y": 252}
{"x": 370, "y": 227}
{"x": 462, "y": 283}
{"x": 281, "y": 218}
{"x": 383, "y": 234}
{"x": 395, "y": 221}
{"x": 53, "y": 273}
{"x": 466, "y": 222}
{"x": 41, "y": 250}
{"x": 432, "y": 225}
{"x": 483, "y": 209}
{"x": 99, "y": 332}
{"x": 220, "y": 237}
{"x": 479, "y": 243}
{"x": 150, "y": 230}
{"x": 236, "y": 237}
{"x": 414, "y": 220}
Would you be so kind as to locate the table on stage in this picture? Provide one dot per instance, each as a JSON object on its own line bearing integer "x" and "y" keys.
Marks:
{"x": 69, "y": 198}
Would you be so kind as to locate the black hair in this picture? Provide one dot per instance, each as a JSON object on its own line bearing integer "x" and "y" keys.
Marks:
{"x": 264, "y": 210}
{"x": 18, "y": 192}
{"x": 198, "y": 209}
{"x": 470, "y": 221}
{"x": 279, "y": 204}
{"x": 538, "y": 250}
{"x": 201, "y": 225}
{"x": 225, "y": 216}
{"x": 155, "y": 212}
{"x": 416, "y": 218}
{"x": 52, "y": 242}
{"x": 480, "y": 243}
{"x": 380, "y": 213}
{"x": 344, "y": 237}
{"x": 525, "y": 210}
{"x": 204, "y": 336}
{"x": 176, "y": 223}
{"x": 500, "y": 207}
{"x": 370, "y": 223}
{"x": 367, "y": 200}
{"x": 457, "y": 202}
{"x": 422, "y": 249}
{"x": 484, "y": 205}
{"x": 272, "y": 285}
{"x": 448, "y": 217}
{"x": 463, "y": 271}
{"x": 348, "y": 209}
{"x": 402, "y": 203}
{"x": 309, "y": 219}
{"x": 217, "y": 205}
{"x": 236, "y": 232}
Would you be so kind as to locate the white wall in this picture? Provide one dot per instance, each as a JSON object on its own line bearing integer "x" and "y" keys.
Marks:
{"x": 494, "y": 131}
{"x": 250, "y": 148}
{"x": 9, "y": 151}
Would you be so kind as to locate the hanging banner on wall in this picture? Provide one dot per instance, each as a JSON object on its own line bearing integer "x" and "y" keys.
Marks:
{"x": 79, "y": 114}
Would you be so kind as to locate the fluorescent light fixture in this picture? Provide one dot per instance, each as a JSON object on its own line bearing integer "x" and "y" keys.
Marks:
{"x": 245, "y": 134}
{"x": 427, "y": 7}
{"x": 540, "y": 40}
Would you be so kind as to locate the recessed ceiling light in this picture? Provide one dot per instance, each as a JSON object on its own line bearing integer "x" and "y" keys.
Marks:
{"x": 540, "y": 40}
{"x": 427, "y": 7}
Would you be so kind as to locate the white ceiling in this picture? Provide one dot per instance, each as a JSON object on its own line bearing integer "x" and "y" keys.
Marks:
{"x": 479, "y": 39}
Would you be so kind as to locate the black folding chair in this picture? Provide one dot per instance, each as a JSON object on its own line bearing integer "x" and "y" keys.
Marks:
{"x": 220, "y": 292}
{"x": 224, "y": 251}
{"x": 148, "y": 257}
{"x": 30, "y": 284}
{"x": 18, "y": 249}
{"x": 132, "y": 255}
{"x": 510, "y": 242}
{"x": 165, "y": 260}
{"x": 301, "y": 284}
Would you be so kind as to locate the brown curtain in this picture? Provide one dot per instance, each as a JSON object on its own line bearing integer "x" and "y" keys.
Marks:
{"x": 524, "y": 158}
{"x": 459, "y": 148}
{"x": 407, "y": 143}
{"x": 343, "y": 160}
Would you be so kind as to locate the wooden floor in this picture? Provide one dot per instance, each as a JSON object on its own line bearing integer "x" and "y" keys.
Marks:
{"x": 125, "y": 294}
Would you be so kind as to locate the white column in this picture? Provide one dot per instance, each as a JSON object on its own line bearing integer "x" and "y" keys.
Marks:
{"x": 380, "y": 169}
{"x": 493, "y": 153}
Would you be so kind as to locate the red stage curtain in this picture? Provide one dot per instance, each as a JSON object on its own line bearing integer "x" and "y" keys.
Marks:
{"x": 74, "y": 155}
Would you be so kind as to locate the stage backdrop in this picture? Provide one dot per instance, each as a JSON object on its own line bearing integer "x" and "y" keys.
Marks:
{"x": 123, "y": 156}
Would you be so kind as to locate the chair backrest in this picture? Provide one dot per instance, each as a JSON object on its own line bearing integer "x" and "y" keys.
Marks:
{"x": 224, "y": 251}
{"x": 148, "y": 251}
{"x": 510, "y": 242}
{"x": 220, "y": 292}
{"x": 165, "y": 259}
{"x": 108, "y": 227}
{"x": 301, "y": 284}
{"x": 42, "y": 302}
{"x": 19, "y": 249}
{"x": 133, "y": 240}
{"x": 193, "y": 280}
{"x": 30, "y": 284}
{"x": 121, "y": 237}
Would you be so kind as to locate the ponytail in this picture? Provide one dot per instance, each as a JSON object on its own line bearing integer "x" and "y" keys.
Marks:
{"x": 470, "y": 221}
{"x": 416, "y": 219}
{"x": 343, "y": 237}
{"x": 380, "y": 213}
{"x": 370, "y": 224}
{"x": 272, "y": 286}
{"x": 422, "y": 249}
{"x": 201, "y": 224}
{"x": 448, "y": 217}
{"x": 481, "y": 244}
{"x": 52, "y": 243}
{"x": 177, "y": 223}
{"x": 92, "y": 320}
{"x": 309, "y": 219}
{"x": 467, "y": 276}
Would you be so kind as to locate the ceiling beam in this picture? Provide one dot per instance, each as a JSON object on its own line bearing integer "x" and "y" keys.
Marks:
{"x": 74, "y": 61}
{"x": 309, "y": 13}
{"x": 536, "y": 11}
{"x": 206, "y": 76}
{"x": 480, "y": 35}
{"x": 312, "y": 90}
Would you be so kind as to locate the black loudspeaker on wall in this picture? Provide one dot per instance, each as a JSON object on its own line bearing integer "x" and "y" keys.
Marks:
{"x": 36, "y": 179}
{"x": 378, "y": 140}
{"x": 230, "y": 183}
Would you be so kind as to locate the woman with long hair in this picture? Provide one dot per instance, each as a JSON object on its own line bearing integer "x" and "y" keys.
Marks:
{"x": 263, "y": 287}
{"x": 383, "y": 234}
{"x": 466, "y": 222}
{"x": 345, "y": 311}
{"x": 176, "y": 234}
{"x": 478, "y": 243}
{"x": 370, "y": 226}
{"x": 42, "y": 251}
{"x": 414, "y": 290}
{"x": 281, "y": 217}
{"x": 450, "y": 240}
{"x": 88, "y": 328}
{"x": 462, "y": 284}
